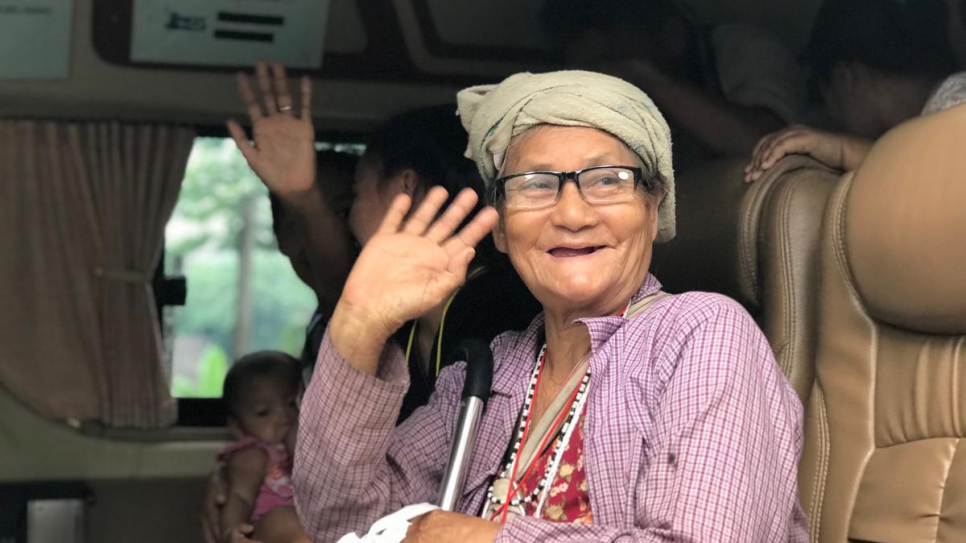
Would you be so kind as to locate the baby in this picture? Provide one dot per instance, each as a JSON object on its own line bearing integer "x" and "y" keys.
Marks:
{"x": 260, "y": 393}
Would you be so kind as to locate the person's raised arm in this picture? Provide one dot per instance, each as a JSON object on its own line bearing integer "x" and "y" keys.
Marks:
{"x": 283, "y": 156}
{"x": 409, "y": 267}
{"x": 352, "y": 465}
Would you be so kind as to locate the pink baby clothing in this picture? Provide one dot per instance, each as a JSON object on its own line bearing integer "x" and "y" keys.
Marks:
{"x": 276, "y": 489}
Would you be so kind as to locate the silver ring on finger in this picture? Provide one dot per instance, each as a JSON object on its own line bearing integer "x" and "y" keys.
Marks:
{"x": 284, "y": 108}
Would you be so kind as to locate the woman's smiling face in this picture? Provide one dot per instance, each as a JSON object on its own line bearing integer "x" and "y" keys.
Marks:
{"x": 575, "y": 256}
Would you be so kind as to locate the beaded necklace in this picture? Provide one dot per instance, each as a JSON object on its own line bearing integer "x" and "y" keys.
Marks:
{"x": 572, "y": 409}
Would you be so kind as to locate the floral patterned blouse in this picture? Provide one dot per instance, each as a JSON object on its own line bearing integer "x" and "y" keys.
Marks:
{"x": 569, "y": 500}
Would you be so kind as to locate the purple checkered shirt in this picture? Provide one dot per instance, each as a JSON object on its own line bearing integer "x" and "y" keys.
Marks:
{"x": 692, "y": 433}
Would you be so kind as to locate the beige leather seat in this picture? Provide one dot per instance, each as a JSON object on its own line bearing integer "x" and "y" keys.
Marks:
{"x": 885, "y": 458}
{"x": 758, "y": 244}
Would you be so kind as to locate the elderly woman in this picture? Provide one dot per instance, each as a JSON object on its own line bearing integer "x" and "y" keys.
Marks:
{"x": 619, "y": 414}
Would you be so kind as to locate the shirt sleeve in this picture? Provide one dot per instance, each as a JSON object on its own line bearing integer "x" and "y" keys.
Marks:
{"x": 755, "y": 69}
{"x": 352, "y": 466}
{"x": 722, "y": 464}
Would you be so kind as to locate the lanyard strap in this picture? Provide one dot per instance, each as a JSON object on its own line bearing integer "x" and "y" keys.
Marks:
{"x": 478, "y": 271}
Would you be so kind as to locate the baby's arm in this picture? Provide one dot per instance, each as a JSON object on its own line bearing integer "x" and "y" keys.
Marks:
{"x": 246, "y": 471}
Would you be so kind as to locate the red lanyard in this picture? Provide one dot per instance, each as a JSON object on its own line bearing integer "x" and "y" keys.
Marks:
{"x": 505, "y": 508}
{"x": 512, "y": 490}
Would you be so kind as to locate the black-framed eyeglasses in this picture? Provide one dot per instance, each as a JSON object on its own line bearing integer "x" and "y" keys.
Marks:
{"x": 596, "y": 185}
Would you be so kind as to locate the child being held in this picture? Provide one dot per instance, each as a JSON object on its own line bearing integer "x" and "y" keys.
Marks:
{"x": 260, "y": 393}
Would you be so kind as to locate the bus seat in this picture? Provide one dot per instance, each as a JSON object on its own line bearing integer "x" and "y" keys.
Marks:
{"x": 757, "y": 243}
{"x": 884, "y": 457}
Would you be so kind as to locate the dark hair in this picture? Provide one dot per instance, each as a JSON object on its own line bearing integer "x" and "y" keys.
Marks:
{"x": 431, "y": 142}
{"x": 273, "y": 364}
{"x": 896, "y": 37}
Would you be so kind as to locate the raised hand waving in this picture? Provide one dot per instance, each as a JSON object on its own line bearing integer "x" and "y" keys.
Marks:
{"x": 408, "y": 267}
{"x": 283, "y": 151}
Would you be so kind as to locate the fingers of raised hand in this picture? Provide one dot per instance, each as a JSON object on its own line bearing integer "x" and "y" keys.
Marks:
{"x": 306, "y": 87}
{"x": 248, "y": 97}
{"x": 424, "y": 215}
{"x": 474, "y": 231}
{"x": 442, "y": 228}
{"x": 241, "y": 140}
{"x": 265, "y": 87}
{"x": 283, "y": 99}
{"x": 394, "y": 217}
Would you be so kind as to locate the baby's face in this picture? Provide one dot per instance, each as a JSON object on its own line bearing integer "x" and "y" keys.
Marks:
{"x": 267, "y": 410}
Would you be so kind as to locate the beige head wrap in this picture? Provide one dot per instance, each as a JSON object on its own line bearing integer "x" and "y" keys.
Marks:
{"x": 494, "y": 114}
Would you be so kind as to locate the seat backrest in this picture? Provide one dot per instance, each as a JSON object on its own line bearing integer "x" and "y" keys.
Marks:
{"x": 756, "y": 243}
{"x": 885, "y": 458}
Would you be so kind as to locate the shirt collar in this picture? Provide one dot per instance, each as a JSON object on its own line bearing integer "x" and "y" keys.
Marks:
{"x": 602, "y": 328}
{"x": 513, "y": 370}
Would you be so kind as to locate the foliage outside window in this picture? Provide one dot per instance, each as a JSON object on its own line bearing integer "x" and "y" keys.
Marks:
{"x": 242, "y": 293}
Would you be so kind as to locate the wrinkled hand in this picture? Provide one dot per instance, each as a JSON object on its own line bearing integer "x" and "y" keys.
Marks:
{"x": 837, "y": 151}
{"x": 407, "y": 268}
{"x": 443, "y": 526}
{"x": 215, "y": 497}
{"x": 283, "y": 151}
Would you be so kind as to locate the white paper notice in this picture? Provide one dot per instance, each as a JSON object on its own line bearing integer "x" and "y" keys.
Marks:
{"x": 229, "y": 32}
{"x": 35, "y": 38}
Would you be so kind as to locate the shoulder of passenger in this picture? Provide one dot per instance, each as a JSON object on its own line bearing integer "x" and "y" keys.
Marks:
{"x": 697, "y": 307}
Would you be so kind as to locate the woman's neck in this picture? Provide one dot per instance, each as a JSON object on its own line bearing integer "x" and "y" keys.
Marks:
{"x": 568, "y": 343}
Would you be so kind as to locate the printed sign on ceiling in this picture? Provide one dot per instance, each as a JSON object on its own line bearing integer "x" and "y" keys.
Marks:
{"x": 229, "y": 32}
{"x": 35, "y": 38}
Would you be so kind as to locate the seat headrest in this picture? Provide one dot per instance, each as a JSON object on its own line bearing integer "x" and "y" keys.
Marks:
{"x": 905, "y": 225}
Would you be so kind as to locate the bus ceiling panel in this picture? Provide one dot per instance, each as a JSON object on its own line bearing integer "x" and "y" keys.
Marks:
{"x": 373, "y": 40}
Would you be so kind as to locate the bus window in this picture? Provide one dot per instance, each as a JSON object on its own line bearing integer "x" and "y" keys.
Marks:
{"x": 242, "y": 294}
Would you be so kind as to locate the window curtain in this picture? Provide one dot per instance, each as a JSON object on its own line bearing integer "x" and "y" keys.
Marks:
{"x": 83, "y": 207}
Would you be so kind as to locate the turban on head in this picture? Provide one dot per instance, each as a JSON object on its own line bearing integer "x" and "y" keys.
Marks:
{"x": 494, "y": 114}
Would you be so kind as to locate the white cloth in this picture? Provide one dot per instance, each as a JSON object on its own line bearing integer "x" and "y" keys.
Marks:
{"x": 391, "y": 528}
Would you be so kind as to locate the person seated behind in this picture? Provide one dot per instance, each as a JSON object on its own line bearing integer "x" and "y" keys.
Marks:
{"x": 410, "y": 154}
{"x": 619, "y": 414}
{"x": 259, "y": 392}
{"x": 721, "y": 88}
{"x": 311, "y": 191}
{"x": 313, "y": 248}
{"x": 877, "y": 63}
